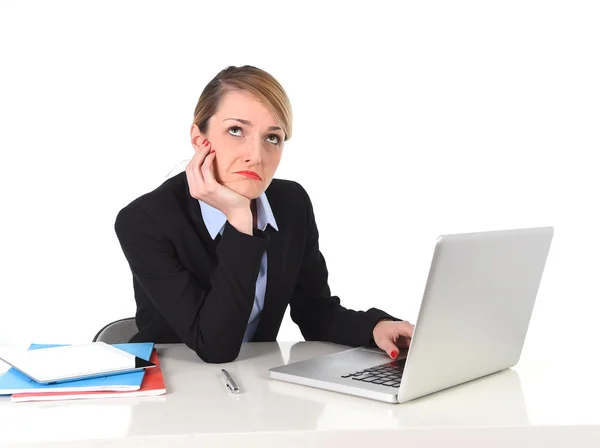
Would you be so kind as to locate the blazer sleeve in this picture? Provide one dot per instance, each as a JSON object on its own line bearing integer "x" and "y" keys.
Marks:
{"x": 318, "y": 314}
{"x": 212, "y": 321}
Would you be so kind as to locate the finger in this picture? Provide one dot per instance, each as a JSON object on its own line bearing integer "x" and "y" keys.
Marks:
{"x": 202, "y": 148}
{"x": 404, "y": 329}
{"x": 207, "y": 165}
{"x": 194, "y": 176}
{"x": 193, "y": 170}
{"x": 389, "y": 347}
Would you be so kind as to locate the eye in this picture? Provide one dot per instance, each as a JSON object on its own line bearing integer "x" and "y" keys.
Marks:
{"x": 234, "y": 128}
{"x": 236, "y": 131}
{"x": 276, "y": 137}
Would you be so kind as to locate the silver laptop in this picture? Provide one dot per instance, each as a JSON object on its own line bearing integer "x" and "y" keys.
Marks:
{"x": 473, "y": 319}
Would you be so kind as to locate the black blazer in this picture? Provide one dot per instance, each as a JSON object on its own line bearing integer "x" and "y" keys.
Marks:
{"x": 193, "y": 289}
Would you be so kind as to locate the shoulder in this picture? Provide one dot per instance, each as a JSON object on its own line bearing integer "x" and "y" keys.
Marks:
{"x": 290, "y": 202}
{"x": 169, "y": 199}
{"x": 287, "y": 190}
{"x": 289, "y": 196}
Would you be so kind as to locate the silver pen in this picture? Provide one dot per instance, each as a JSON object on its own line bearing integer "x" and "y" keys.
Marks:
{"x": 233, "y": 388}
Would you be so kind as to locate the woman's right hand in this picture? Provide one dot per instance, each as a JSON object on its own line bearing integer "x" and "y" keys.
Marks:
{"x": 204, "y": 186}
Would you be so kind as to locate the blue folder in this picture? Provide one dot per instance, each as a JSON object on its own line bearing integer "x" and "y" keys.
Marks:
{"x": 13, "y": 381}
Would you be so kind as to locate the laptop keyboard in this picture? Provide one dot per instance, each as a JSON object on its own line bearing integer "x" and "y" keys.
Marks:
{"x": 388, "y": 374}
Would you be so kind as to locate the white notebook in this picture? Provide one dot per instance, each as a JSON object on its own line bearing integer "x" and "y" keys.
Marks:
{"x": 72, "y": 362}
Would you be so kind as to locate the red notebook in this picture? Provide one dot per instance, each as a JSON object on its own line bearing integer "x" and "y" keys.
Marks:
{"x": 153, "y": 384}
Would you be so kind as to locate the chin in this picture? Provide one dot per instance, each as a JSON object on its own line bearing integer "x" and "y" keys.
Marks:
{"x": 248, "y": 191}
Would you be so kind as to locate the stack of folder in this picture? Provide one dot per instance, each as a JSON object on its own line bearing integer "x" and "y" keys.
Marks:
{"x": 149, "y": 382}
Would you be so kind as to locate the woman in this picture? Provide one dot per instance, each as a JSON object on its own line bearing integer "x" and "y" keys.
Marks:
{"x": 219, "y": 251}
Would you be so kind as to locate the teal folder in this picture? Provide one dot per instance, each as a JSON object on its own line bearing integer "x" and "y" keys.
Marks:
{"x": 14, "y": 382}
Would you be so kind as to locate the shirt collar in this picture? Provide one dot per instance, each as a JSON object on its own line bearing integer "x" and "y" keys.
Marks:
{"x": 214, "y": 219}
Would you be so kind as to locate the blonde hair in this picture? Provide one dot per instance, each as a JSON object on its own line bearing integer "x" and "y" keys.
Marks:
{"x": 253, "y": 80}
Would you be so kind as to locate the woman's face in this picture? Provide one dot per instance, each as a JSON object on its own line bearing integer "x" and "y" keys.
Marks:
{"x": 247, "y": 141}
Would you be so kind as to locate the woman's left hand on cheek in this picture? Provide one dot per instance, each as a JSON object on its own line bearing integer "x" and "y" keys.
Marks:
{"x": 391, "y": 336}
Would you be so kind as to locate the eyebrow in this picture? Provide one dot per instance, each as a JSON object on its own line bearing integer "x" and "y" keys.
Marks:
{"x": 247, "y": 123}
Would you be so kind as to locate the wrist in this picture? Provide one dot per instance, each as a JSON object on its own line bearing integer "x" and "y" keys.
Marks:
{"x": 241, "y": 220}
{"x": 384, "y": 319}
{"x": 378, "y": 325}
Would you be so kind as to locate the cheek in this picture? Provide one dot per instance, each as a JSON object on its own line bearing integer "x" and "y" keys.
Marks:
{"x": 271, "y": 158}
{"x": 220, "y": 168}
{"x": 271, "y": 162}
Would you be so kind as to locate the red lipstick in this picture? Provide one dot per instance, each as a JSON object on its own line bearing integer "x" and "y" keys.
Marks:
{"x": 249, "y": 174}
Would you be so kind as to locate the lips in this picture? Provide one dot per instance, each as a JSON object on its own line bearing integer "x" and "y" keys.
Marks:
{"x": 249, "y": 174}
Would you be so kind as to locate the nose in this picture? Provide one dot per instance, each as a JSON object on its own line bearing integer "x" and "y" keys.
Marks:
{"x": 253, "y": 152}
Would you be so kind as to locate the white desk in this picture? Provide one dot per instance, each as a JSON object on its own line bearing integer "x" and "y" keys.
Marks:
{"x": 532, "y": 405}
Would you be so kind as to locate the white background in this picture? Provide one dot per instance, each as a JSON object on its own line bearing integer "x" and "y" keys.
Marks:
{"x": 411, "y": 120}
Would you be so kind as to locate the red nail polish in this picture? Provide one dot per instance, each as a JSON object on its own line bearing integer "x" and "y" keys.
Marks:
{"x": 212, "y": 150}
{"x": 203, "y": 141}
{"x": 394, "y": 354}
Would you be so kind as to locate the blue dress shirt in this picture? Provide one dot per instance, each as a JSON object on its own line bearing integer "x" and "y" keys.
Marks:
{"x": 215, "y": 219}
